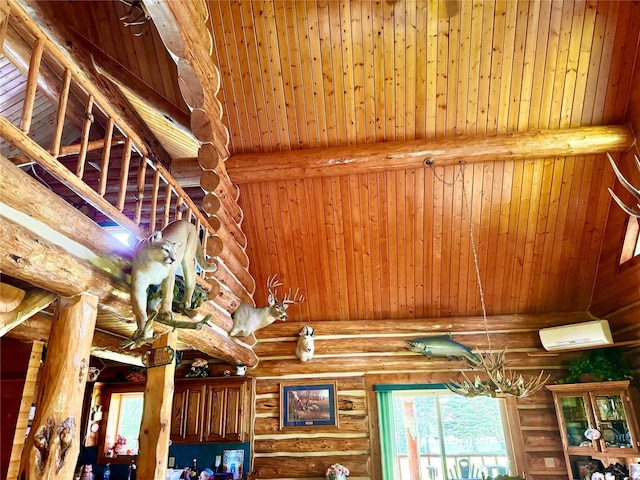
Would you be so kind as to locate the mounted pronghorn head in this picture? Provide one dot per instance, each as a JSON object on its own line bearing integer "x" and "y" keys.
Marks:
{"x": 626, "y": 184}
{"x": 248, "y": 319}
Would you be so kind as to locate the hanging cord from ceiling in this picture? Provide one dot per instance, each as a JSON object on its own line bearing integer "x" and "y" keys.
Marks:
{"x": 501, "y": 382}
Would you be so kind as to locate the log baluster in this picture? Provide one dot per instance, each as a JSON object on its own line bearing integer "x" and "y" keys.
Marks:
{"x": 106, "y": 155}
{"x": 154, "y": 202}
{"x": 86, "y": 127}
{"x": 167, "y": 205}
{"x": 124, "y": 174}
{"x": 61, "y": 113}
{"x": 4, "y": 21}
{"x": 142, "y": 173}
{"x": 179, "y": 207}
{"x": 32, "y": 85}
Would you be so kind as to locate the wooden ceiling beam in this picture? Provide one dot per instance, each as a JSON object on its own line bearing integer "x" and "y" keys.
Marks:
{"x": 32, "y": 258}
{"x": 354, "y": 159}
{"x": 105, "y": 346}
{"x": 116, "y": 73}
{"x": 35, "y": 300}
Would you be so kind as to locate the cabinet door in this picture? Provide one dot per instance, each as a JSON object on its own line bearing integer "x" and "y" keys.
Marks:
{"x": 233, "y": 415}
{"x": 214, "y": 414}
{"x": 192, "y": 431}
{"x": 575, "y": 418}
{"x": 612, "y": 410}
{"x": 178, "y": 415}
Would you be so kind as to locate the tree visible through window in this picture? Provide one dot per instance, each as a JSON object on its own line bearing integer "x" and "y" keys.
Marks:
{"x": 123, "y": 428}
{"x": 437, "y": 435}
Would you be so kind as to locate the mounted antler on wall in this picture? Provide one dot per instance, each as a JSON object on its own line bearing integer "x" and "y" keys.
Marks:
{"x": 626, "y": 184}
{"x": 248, "y": 319}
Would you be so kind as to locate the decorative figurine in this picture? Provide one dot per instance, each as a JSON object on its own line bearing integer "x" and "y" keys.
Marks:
{"x": 199, "y": 368}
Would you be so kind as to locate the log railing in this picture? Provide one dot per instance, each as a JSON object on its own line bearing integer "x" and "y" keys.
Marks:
{"x": 143, "y": 197}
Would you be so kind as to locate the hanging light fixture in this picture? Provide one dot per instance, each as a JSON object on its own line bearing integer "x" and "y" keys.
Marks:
{"x": 500, "y": 381}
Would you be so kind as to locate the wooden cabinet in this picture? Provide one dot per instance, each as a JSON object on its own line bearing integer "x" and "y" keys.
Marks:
{"x": 188, "y": 409}
{"x": 212, "y": 410}
{"x": 605, "y": 411}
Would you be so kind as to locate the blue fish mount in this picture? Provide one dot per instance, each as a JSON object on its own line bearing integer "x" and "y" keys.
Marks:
{"x": 442, "y": 346}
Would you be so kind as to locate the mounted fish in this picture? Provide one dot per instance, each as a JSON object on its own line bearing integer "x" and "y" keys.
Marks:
{"x": 442, "y": 346}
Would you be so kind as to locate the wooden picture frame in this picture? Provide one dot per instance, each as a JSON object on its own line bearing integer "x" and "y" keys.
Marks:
{"x": 308, "y": 405}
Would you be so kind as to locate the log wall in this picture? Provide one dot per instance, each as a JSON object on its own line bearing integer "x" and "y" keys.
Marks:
{"x": 357, "y": 362}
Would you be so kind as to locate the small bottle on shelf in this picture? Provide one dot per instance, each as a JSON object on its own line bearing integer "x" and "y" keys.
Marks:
{"x": 107, "y": 472}
{"x": 193, "y": 474}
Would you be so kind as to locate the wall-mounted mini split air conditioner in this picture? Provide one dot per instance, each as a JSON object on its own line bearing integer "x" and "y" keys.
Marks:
{"x": 586, "y": 334}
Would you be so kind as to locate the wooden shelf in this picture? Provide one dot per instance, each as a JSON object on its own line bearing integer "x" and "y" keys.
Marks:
{"x": 553, "y": 353}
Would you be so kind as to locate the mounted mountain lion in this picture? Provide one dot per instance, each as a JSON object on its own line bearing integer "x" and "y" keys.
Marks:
{"x": 155, "y": 262}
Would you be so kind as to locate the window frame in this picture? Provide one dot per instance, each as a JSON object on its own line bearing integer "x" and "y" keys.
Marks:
{"x": 107, "y": 393}
{"x": 419, "y": 380}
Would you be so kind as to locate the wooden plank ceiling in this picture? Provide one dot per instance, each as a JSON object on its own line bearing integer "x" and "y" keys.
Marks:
{"x": 297, "y": 75}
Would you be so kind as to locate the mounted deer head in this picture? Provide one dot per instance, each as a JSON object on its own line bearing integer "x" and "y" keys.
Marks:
{"x": 626, "y": 184}
{"x": 248, "y": 319}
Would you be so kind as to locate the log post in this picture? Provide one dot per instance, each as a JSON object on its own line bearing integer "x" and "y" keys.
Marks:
{"x": 156, "y": 415}
{"x": 53, "y": 444}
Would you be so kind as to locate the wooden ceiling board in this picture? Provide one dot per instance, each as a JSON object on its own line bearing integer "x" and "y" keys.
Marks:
{"x": 397, "y": 244}
{"x": 305, "y": 74}
{"x": 299, "y": 75}
{"x": 360, "y": 249}
{"x": 143, "y": 55}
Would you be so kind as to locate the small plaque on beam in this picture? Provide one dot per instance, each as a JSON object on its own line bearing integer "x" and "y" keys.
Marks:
{"x": 158, "y": 357}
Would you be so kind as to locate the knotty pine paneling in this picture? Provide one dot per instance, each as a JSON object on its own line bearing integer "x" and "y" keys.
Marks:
{"x": 145, "y": 56}
{"x": 614, "y": 294}
{"x": 370, "y": 235}
{"x": 379, "y": 71}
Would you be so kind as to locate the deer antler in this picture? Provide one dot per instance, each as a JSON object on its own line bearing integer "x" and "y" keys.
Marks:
{"x": 626, "y": 184}
{"x": 273, "y": 283}
{"x": 494, "y": 366}
{"x": 295, "y": 299}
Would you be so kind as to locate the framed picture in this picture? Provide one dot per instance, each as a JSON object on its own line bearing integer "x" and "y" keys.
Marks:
{"x": 584, "y": 468}
{"x": 308, "y": 405}
{"x": 233, "y": 463}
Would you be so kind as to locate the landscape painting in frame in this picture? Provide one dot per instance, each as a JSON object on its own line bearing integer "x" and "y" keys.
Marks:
{"x": 307, "y": 405}
{"x": 233, "y": 463}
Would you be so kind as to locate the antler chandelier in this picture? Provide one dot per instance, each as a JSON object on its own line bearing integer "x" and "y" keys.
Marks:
{"x": 500, "y": 381}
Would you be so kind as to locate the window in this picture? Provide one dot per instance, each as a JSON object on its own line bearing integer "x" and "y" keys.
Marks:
{"x": 442, "y": 435}
{"x": 119, "y": 439}
{"x": 631, "y": 244}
